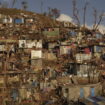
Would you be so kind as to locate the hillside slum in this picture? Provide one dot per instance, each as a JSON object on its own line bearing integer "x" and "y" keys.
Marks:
{"x": 45, "y": 62}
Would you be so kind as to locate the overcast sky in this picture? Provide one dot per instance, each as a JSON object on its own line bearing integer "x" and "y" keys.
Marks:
{"x": 65, "y": 6}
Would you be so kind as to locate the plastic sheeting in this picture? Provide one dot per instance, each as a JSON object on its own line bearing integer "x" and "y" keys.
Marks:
{"x": 2, "y": 48}
{"x": 82, "y": 57}
{"x": 36, "y": 54}
{"x": 22, "y": 43}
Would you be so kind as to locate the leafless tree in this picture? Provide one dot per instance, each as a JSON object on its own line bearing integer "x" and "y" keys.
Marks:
{"x": 13, "y": 3}
{"x": 101, "y": 16}
{"x": 84, "y": 15}
{"x": 24, "y": 5}
{"x": 53, "y": 12}
{"x": 95, "y": 14}
{"x": 76, "y": 12}
{"x": 49, "y": 12}
{"x": 41, "y": 6}
{"x": 49, "y": 9}
{"x": 4, "y": 4}
{"x": 0, "y": 4}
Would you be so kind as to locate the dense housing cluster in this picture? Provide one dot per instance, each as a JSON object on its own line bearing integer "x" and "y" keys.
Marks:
{"x": 43, "y": 61}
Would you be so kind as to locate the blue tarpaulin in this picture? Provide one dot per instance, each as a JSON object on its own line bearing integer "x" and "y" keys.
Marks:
{"x": 72, "y": 33}
{"x": 92, "y": 92}
{"x": 18, "y": 21}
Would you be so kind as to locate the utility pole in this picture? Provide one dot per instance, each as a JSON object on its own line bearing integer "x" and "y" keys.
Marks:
{"x": 76, "y": 12}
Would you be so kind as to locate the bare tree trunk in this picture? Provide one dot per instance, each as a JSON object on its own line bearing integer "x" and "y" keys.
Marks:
{"x": 88, "y": 75}
{"x": 84, "y": 17}
{"x": 95, "y": 18}
{"x": 100, "y": 20}
{"x": 76, "y": 12}
{"x": 41, "y": 8}
{"x": 13, "y": 3}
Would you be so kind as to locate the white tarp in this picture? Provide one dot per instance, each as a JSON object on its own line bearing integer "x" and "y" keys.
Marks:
{"x": 2, "y": 48}
{"x": 64, "y": 18}
{"x": 5, "y": 20}
{"x": 30, "y": 43}
{"x": 39, "y": 44}
{"x": 82, "y": 57}
{"x": 22, "y": 43}
{"x": 36, "y": 54}
{"x": 83, "y": 70}
{"x": 11, "y": 20}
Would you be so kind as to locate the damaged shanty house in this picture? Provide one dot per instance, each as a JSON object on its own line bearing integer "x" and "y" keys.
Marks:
{"x": 5, "y": 19}
{"x": 32, "y": 52}
{"x": 83, "y": 64}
